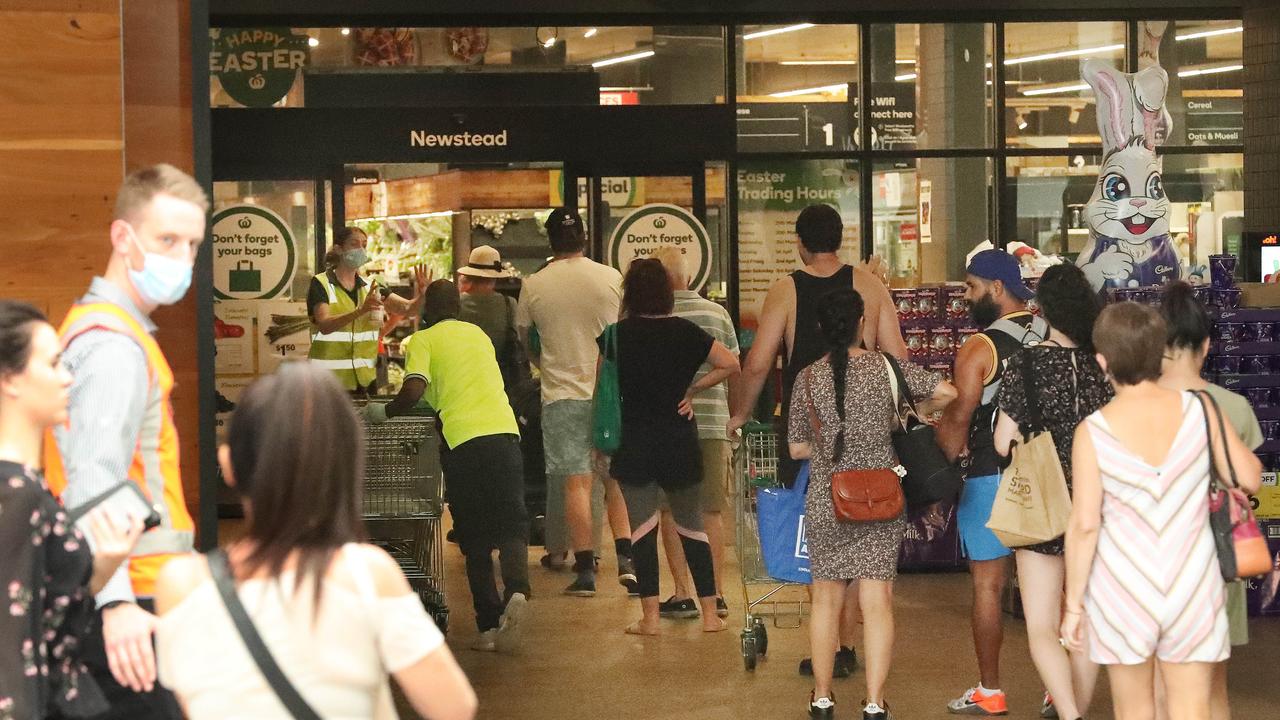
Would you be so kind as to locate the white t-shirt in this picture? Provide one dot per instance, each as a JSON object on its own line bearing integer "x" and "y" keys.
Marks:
{"x": 569, "y": 302}
{"x": 338, "y": 662}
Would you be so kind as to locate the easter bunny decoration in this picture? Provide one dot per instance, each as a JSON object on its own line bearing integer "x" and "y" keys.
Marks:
{"x": 1128, "y": 214}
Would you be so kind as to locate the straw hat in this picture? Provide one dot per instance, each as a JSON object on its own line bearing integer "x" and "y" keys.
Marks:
{"x": 484, "y": 262}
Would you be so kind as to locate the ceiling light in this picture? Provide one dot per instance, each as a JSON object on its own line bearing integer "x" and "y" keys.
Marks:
{"x": 1074, "y": 116}
{"x": 1211, "y": 33}
{"x": 313, "y": 42}
{"x": 549, "y": 42}
{"x": 831, "y": 89}
{"x": 818, "y": 62}
{"x": 346, "y": 31}
{"x": 591, "y": 32}
{"x": 1053, "y": 90}
{"x": 623, "y": 58}
{"x": 904, "y": 62}
{"x": 1022, "y": 121}
{"x": 904, "y": 78}
{"x": 1209, "y": 70}
{"x": 776, "y": 31}
{"x": 1064, "y": 54}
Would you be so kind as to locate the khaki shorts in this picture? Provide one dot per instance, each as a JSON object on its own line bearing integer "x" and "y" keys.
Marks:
{"x": 717, "y": 464}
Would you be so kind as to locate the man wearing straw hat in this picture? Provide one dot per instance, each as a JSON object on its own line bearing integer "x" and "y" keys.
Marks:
{"x": 495, "y": 313}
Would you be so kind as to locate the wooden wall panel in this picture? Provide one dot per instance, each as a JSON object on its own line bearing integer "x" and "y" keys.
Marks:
{"x": 157, "y": 128}
{"x": 61, "y": 145}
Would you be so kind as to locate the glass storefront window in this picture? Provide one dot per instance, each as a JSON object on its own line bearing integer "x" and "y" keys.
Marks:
{"x": 1046, "y": 198}
{"x": 928, "y": 214}
{"x": 264, "y": 256}
{"x": 1047, "y": 103}
{"x": 931, "y": 86}
{"x": 771, "y": 195}
{"x": 797, "y": 87}
{"x": 629, "y": 65}
{"x": 1205, "y": 62}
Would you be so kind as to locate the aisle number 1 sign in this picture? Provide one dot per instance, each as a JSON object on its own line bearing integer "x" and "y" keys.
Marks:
{"x": 253, "y": 254}
{"x": 650, "y": 227}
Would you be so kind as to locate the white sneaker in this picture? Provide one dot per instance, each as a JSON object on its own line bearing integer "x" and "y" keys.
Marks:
{"x": 508, "y": 634}
{"x": 486, "y": 641}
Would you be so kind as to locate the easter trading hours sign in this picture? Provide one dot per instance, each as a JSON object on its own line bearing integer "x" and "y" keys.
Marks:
{"x": 253, "y": 254}
{"x": 650, "y": 227}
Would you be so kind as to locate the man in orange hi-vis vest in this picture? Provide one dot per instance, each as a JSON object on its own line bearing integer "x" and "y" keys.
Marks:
{"x": 120, "y": 423}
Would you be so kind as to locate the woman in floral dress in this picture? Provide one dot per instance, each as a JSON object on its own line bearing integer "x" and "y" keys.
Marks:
{"x": 47, "y": 571}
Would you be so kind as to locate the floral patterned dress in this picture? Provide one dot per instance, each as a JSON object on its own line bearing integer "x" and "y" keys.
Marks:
{"x": 45, "y": 566}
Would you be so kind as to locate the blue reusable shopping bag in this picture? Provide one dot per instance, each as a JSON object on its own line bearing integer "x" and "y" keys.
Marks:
{"x": 783, "y": 544}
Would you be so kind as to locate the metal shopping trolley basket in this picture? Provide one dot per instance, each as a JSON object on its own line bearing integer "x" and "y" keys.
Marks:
{"x": 756, "y": 465}
{"x": 403, "y": 503}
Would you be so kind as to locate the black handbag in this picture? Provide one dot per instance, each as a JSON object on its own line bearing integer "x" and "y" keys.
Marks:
{"x": 930, "y": 478}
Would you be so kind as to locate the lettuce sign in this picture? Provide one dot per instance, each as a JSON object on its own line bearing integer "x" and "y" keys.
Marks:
{"x": 257, "y": 66}
{"x": 650, "y": 227}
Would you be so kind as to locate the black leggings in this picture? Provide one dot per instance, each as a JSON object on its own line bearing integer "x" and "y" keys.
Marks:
{"x": 643, "y": 503}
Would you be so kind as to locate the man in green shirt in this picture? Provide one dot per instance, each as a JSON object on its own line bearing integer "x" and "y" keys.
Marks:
{"x": 452, "y": 364}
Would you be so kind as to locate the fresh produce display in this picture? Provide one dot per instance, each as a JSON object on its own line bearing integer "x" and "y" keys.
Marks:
{"x": 494, "y": 222}
{"x": 283, "y": 326}
{"x": 397, "y": 246}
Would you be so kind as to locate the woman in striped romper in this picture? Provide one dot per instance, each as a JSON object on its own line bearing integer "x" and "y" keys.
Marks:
{"x": 1143, "y": 581}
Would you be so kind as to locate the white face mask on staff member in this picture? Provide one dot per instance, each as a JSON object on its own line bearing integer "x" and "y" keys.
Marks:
{"x": 159, "y": 247}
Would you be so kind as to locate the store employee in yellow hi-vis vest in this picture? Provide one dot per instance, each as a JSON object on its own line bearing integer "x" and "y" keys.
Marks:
{"x": 347, "y": 311}
{"x": 120, "y": 425}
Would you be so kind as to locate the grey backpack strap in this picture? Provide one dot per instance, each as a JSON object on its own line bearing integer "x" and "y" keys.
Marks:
{"x": 1031, "y": 334}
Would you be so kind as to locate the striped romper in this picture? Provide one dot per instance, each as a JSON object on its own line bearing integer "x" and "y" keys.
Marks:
{"x": 1155, "y": 587}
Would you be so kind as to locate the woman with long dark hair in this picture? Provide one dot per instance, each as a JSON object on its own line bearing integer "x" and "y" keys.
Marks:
{"x": 1068, "y": 386}
{"x": 658, "y": 356}
{"x": 851, "y": 394}
{"x": 337, "y": 616}
{"x": 48, "y": 573}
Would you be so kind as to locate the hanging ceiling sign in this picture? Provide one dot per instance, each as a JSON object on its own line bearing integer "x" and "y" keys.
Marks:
{"x": 257, "y": 66}
{"x": 650, "y": 227}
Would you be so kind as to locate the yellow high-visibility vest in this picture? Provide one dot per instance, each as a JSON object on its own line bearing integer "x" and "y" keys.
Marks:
{"x": 351, "y": 352}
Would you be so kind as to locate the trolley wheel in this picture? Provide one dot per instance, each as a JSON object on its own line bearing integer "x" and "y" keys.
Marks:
{"x": 441, "y": 618}
{"x": 749, "y": 651}
{"x": 762, "y": 637}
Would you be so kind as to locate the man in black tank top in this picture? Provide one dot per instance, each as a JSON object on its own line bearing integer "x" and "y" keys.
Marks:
{"x": 789, "y": 320}
{"x": 998, "y": 301}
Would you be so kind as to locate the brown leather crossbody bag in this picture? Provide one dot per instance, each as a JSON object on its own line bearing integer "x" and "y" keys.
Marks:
{"x": 869, "y": 495}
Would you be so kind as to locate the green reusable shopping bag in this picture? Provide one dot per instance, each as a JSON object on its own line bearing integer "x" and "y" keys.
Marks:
{"x": 606, "y": 428}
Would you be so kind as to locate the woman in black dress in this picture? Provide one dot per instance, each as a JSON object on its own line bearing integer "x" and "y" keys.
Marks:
{"x": 47, "y": 570}
{"x": 1070, "y": 386}
{"x": 658, "y": 356}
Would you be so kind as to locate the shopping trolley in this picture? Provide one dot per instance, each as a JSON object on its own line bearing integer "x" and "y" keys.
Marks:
{"x": 402, "y": 503}
{"x": 756, "y": 466}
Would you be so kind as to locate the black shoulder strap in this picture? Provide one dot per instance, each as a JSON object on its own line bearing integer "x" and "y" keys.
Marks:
{"x": 275, "y": 677}
{"x": 904, "y": 391}
{"x": 1035, "y": 417}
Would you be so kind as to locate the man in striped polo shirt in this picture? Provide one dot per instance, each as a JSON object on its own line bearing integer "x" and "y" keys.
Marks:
{"x": 711, "y": 409}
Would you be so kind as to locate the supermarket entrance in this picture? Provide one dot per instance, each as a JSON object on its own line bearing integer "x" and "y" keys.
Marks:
{"x": 427, "y": 185}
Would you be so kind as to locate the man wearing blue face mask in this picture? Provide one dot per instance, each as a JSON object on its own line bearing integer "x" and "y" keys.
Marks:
{"x": 120, "y": 424}
{"x": 347, "y": 313}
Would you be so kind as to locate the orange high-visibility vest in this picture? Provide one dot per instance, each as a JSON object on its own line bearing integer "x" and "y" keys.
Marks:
{"x": 155, "y": 459}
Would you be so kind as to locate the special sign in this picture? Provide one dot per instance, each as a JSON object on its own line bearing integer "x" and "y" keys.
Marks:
{"x": 253, "y": 254}
{"x": 650, "y": 227}
{"x": 257, "y": 66}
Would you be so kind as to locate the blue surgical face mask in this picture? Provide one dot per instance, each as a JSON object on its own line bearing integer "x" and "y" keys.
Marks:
{"x": 162, "y": 280}
{"x": 357, "y": 258}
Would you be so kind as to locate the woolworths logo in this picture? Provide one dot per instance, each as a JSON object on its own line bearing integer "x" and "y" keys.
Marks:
{"x": 424, "y": 138}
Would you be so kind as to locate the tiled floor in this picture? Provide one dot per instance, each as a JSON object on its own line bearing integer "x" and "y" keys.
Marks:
{"x": 576, "y": 662}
